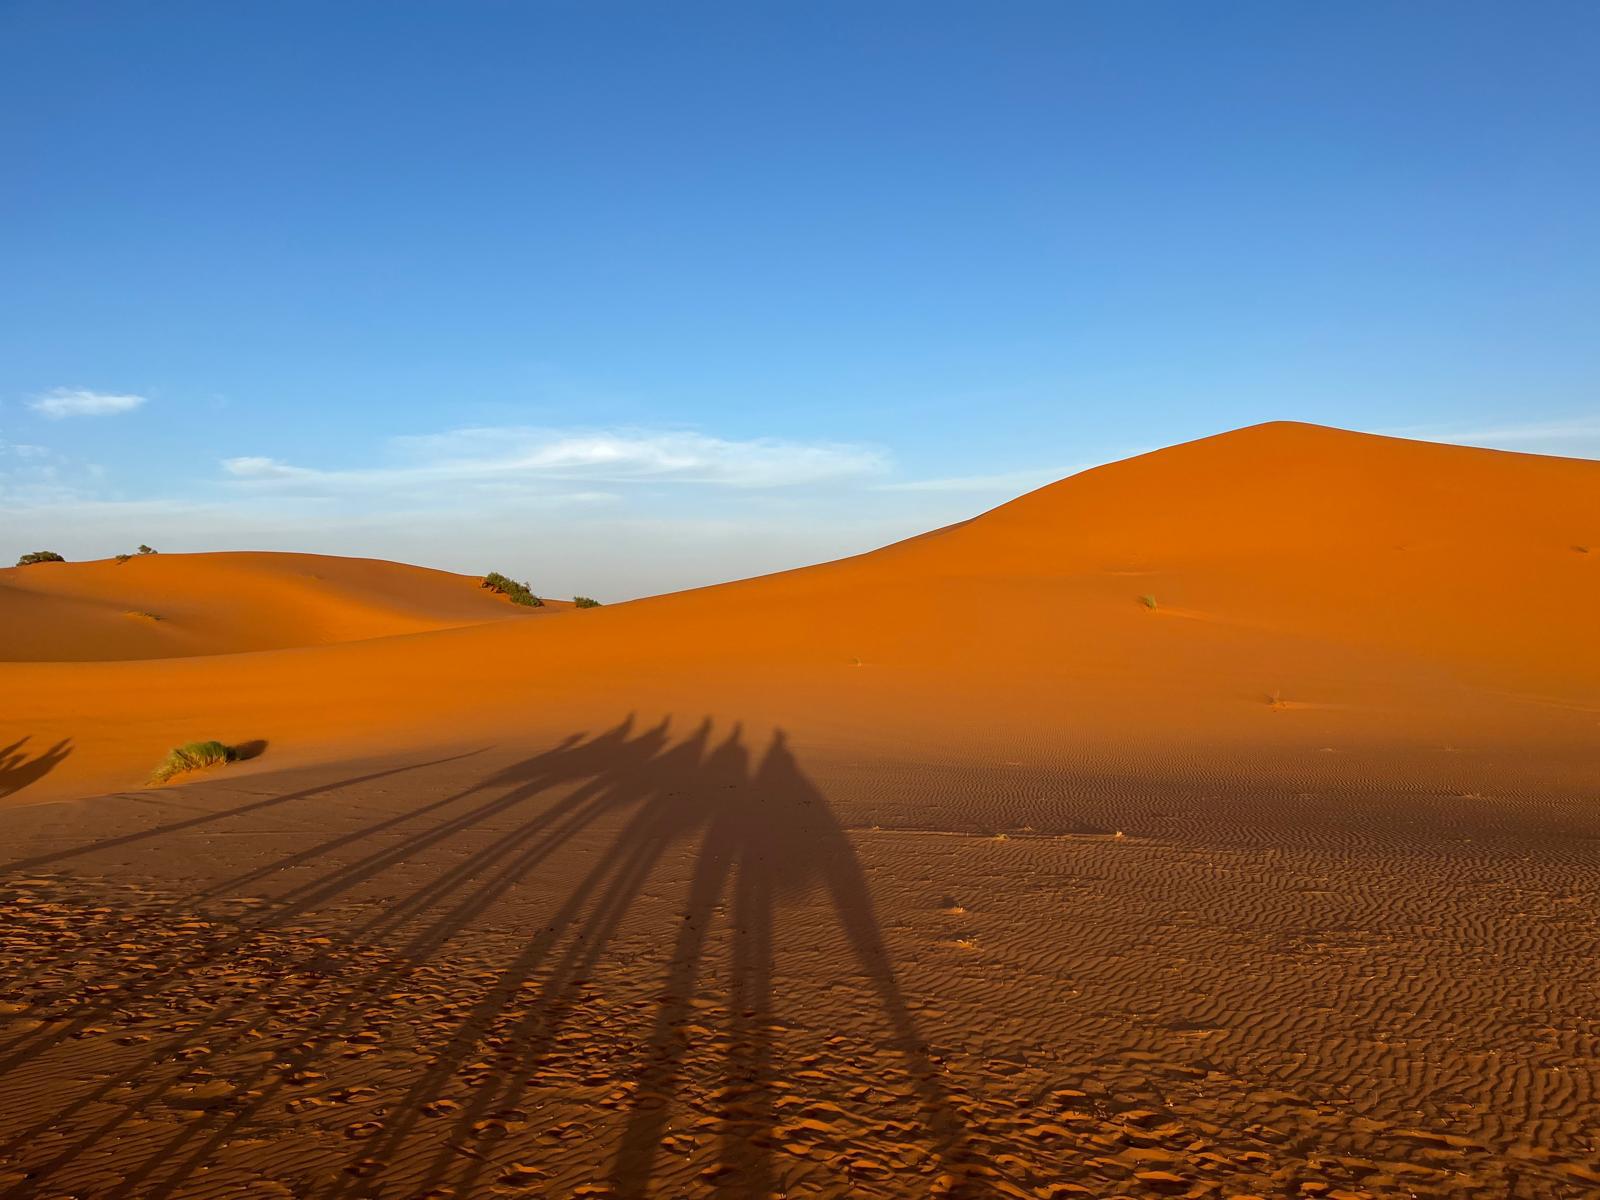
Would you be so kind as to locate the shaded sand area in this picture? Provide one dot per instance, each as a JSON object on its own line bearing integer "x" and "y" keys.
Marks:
{"x": 1221, "y": 822}
{"x": 686, "y": 960}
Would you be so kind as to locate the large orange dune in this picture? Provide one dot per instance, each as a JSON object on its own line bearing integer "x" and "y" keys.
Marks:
{"x": 1280, "y": 593}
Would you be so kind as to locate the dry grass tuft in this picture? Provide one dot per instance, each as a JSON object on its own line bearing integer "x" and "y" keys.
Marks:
{"x": 196, "y": 756}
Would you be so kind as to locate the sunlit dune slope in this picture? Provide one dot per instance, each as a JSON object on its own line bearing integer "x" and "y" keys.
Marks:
{"x": 175, "y": 605}
{"x": 1310, "y": 592}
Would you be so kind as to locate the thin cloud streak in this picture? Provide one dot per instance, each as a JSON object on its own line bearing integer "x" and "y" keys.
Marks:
{"x": 516, "y": 453}
{"x": 80, "y": 402}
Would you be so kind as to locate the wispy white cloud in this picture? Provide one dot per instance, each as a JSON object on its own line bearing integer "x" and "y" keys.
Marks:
{"x": 1576, "y": 435}
{"x": 256, "y": 467}
{"x": 511, "y": 454}
{"x": 80, "y": 402}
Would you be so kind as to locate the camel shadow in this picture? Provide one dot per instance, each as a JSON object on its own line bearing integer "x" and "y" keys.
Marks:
{"x": 763, "y": 836}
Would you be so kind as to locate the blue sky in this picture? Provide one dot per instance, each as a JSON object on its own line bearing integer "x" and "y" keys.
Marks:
{"x": 626, "y": 297}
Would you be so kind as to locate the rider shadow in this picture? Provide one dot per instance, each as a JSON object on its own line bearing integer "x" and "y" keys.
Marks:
{"x": 17, "y": 770}
{"x": 766, "y": 838}
{"x": 774, "y": 842}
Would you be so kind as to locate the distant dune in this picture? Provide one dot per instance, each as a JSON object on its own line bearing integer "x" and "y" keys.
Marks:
{"x": 1282, "y": 592}
{"x": 179, "y": 605}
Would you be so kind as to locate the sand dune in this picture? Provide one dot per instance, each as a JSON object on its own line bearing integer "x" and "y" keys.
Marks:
{"x": 180, "y": 605}
{"x": 954, "y": 869}
{"x": 1312, "y": 589}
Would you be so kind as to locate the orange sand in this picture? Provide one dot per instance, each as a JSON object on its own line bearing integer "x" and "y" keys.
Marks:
{"x": 1315, "y": 590}
{"x": 952, "y": 870}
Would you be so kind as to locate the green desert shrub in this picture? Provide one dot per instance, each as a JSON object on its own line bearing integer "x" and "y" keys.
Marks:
{"x": 585, "y": 602}
{"x": 517, "y": 593}
{"x": 193, "y": 757}
{"x": 1148, "y": 601}
{"x": 122, "y": 558}
{"x": 143, "y": 549}
{"x": 39, "y": 556}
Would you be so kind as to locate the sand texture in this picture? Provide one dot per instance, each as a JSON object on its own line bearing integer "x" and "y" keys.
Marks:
{"x": 954, "y": 869}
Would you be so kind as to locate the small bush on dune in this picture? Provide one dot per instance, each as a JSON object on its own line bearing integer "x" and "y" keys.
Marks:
{"x": 122, "y": 558}
{"x": 193, "y": 757}
{"x": 1148, "y": 601}
{"x": 585, "y": 602}
{"x": 143, "y": 549}
{"x": 517, "y": 593}
{"x": 39, "y": 556}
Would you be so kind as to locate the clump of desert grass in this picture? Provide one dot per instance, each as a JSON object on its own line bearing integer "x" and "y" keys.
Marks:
{"x": 196, "y": 756}
{"x": 517, "y": 593}
{"x": 39, "y": 556}
{"x": 585, "y": 602}
{"x": 1148, "y": 601}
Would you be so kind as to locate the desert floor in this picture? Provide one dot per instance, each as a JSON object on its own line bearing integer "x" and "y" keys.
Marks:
{"x": 686, "y": 959}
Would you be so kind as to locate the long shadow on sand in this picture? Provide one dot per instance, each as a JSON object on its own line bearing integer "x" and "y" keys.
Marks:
{"x": 759, "y": 834}
{"x": 17, "y": 770}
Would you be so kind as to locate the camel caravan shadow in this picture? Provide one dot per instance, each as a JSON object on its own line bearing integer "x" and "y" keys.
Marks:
{"x": 758, "y": 835}
{"x": 764, "y": 833}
